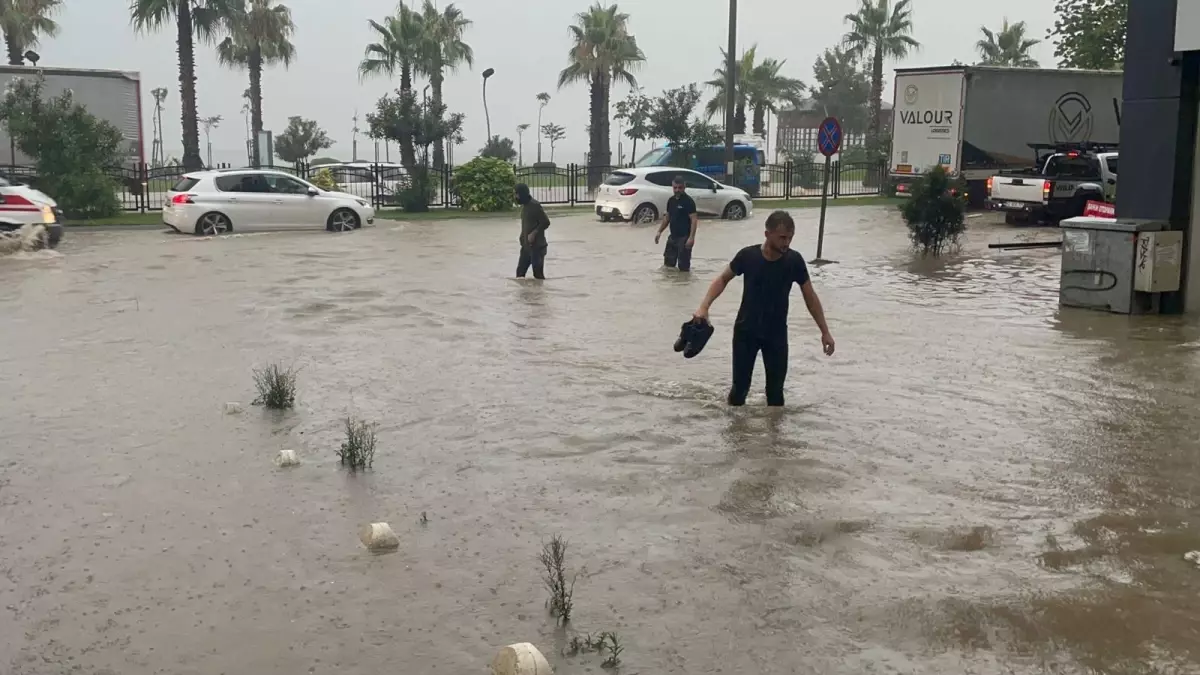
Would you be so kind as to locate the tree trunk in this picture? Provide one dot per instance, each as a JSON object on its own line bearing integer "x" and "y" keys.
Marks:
{"x": 16, "y": 53}
{"x": 597, "y": 145}
{"x": 538, "y": 132}
{"x": 739, "y": 118}
{"x": 408, "y": 154}
{"x": 633, "y": 154}
{"x": 760, "y": 120}
{"x": 439, "y": 149}
{"x": 187, "y": 88}
{"x": 256, "y": 116}
{"x": 876, "y": 93}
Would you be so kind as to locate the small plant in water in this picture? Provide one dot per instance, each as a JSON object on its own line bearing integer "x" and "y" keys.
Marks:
{"x": 276, "y": 386}
{"x": 554, "y": 575}
{"x": 358, "y": 450}
{"x": 615, "y": 648}
{"x": 936, "y": 212}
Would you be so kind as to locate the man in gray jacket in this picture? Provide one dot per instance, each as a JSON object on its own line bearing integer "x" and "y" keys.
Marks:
{"x": 534, "y": 222}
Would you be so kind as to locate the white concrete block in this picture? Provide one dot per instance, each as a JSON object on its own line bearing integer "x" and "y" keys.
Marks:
{"x": 520, "y": 659}
{"x": 287, "y": 458}
{"x": 233, "y": 408}
{"x": 378, "y": 537}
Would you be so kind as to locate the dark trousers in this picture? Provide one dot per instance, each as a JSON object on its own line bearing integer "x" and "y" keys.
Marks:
{"x": 535, "y": 257}
{"x": 677, "y": 253}
{"x": 746, "y": 346}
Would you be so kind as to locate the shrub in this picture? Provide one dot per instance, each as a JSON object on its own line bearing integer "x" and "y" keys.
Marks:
{"x": 276, "y": 386}
{"x": 416, "y": 193}
{"x": 936, "y": 212}
{"x": 806, "y": 172}
{"x": 324, "y": 180}
{"x": 87, "y": 194}
{"x": 485, "y": 184}
{"x": 358, "y": 450}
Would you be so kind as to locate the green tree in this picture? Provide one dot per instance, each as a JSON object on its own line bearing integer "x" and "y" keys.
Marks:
{"x": 1090, "y": 34}
{"x": 203, "y": 19}
{"x": 843, "y": 89}
{"x": 719, "y": 83}
{"x": 1007, "y": 47}
{"x": 422, "y": 124}
{"x": 674, "y": 119}
{"x": 499, "y": 148}
{"x": 543, "y": 100}
{"x": 444, "y": 51}
{"x": 766, "y": 87}
{"x": 24, "y": 22}
{"x": 602, "y": 51}
{"x": 260, "y": 35}
{"x": 300, "y": 140}
{"x": 935, "y": 213}
{"x": 553, "y": 133}
{"x": 401, "y": 47}
{"x": 70, "y": 147}
{"x": 635, "y": 111}
{"x": 879, "y": 30}
{"x": 521, "y": 129}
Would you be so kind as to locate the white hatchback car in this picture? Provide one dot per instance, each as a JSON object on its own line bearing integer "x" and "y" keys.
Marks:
{"x": 215, "y": 202}
{"x": 640, "y": 195}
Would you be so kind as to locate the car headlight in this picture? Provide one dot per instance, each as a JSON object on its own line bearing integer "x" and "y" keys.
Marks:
{"x": 361, "y": 202}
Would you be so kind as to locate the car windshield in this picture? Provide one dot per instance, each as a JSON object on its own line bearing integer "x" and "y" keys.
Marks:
{"x": 656, "y": 157}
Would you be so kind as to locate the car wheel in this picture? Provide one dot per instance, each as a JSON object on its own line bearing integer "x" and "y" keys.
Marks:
{"x": 213, "y": 224}
{"x": 734, "y": 211}
{"x": 343, "y": 220}
{"x": 1011, "y": 218}
{"x": 646, "y": 213}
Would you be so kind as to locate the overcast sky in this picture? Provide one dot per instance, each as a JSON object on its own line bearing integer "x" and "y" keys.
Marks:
{"x": 526, "y": 41}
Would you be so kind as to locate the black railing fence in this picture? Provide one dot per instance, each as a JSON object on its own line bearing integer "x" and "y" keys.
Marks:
{"x": 144, "y": 188}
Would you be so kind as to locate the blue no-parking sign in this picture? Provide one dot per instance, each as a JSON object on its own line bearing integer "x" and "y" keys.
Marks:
{"x": 829, "y": 136}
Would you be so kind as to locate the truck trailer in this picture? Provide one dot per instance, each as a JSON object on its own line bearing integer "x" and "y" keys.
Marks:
{"x": 111, "y": 95}
{"x": 977, "y": 121}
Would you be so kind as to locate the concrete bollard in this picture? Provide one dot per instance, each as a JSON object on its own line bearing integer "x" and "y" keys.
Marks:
{"x": 287, "y": 458}
{"x": 233, "y": 408}
{"x": 378, "y": 537}
{"x": 520, "y": 659}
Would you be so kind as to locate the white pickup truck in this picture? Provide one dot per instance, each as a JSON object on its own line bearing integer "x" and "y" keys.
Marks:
{"x": 1066, "y": 181}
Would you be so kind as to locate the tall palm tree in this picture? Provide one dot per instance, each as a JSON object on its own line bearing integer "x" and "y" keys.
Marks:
{"x": 260, "y": 35}
{"x": 879, "y": 30}
{"x": 1009, "y": 47}
{"x": 445, "y": 50}
{"x": 24, "y": 22}
{"x": 716, "y": 105}
{"x": 192, "y": 19}
{"x": 521, "y": 128}
{"x": 766, "y": 87}
{"x": 402, "y": 48}
{"x": 603, "y": 51}
{"x": 543, "y": 100}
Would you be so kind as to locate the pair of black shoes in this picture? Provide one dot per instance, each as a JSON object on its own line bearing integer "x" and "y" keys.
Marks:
{"x": 693, "y": 335}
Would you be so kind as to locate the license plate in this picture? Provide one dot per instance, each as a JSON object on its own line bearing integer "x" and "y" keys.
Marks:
{"x": 1014, "y": 205}
{"x": 904, "y": 168}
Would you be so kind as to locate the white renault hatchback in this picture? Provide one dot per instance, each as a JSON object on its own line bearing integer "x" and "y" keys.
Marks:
{"x": 215, "y": 202}
{"x": 640, "y": 195}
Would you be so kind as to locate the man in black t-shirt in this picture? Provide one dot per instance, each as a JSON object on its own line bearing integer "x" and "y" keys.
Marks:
{"x": 769, "y": 271}
{"x": 681, "y": 218}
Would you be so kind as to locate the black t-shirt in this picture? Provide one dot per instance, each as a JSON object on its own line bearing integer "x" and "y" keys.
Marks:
{"x": 680, "y": 209}
{"x": 767, "y": 285}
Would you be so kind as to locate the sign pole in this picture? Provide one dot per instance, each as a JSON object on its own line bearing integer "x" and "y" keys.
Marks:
{"x": 829, "y": 142}
{"x": 824, "y": 201}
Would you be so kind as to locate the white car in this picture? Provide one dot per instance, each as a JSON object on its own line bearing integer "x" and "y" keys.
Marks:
{"x": 215, "y": 202}
{"x": 640, "y": 195}
{"x": 21, "y": 205}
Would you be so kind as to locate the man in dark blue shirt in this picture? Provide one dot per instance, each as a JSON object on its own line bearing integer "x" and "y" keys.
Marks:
{"x": 769, "y": 270}
{"x": 681, "y": 218}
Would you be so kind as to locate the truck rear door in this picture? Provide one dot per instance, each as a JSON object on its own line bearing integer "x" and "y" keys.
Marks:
{"x": 927, "y": 122}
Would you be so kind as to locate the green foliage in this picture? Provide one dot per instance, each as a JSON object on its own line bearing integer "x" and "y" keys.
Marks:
{"x": 300, "y": 140}
{"x": 415, "y": 195}
{"x": 807, "y": 172}
{"x": 324, "y": 179}
{"x": 673, "y": 118}
{"x": 1090, "y": 33}
{"x": 499, "y": 148}
{"x": 1007, "y": 47}
{"x": 936, "y": 212}
{"x": 403, "y": 119}
{"x": 485, "y": 184}
{"x": 843, "y": 89}
{"x": 358, "y": 450}
{"x": 553, "y": 133}
{"x": 635, "y": 112}
{"x": 70, "y": 146}
{"x": 276, "y": 385}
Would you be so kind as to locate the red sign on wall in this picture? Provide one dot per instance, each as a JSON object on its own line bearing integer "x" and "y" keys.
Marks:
{"x": 1095, "y": 209}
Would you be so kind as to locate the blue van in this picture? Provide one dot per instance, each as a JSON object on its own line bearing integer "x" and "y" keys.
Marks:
{"x": 711, "y": 162}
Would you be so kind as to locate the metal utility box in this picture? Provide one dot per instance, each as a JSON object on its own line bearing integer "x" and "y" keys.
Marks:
{"x": 1119, "y": 266}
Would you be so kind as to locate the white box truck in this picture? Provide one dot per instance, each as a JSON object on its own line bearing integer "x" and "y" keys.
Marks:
{"x": 980, "y": 120}
{"x": 111, "y": 95}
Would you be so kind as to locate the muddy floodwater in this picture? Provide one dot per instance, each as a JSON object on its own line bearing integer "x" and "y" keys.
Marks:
{"x": 977, "y": 482}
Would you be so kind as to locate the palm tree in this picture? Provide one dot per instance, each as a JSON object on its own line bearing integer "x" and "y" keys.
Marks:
{"x": 543, "y": 101}
{"x": 521, "y": 128}
{"x": 401, "y": 45}
{"x": 445, "y": 50}
{"x": 879, "y": 31}
{"x": 192, "y": 19}
{"x": 603, "y": 51}
{"x": 716, "y": 105}
{"x": 1009, "y": 47}
{"x": 259, "y": 36}
{"x": 24, "y": 22}
{"x": 766, "y": 87}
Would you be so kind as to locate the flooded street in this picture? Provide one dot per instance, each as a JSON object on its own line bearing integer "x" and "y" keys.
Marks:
{"x": 977, "y": 482}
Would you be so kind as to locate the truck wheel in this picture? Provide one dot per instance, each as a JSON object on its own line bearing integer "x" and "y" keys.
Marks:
{"x": 1013, "y": 218}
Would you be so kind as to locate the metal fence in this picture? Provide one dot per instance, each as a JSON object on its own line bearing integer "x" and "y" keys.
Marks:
{"x": 144, "y": 188}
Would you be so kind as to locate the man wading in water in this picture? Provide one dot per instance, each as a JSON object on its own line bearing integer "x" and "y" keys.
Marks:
{"x": 534, "y": 222}
{"x": 769, "y": 271}
{"x": 681, "y": 218}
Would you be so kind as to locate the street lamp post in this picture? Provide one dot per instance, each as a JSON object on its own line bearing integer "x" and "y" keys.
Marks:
{"x": 487, "y": 118}
{"x": 730, "y": 95}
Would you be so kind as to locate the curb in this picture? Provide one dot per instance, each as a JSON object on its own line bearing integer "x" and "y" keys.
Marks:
{"x": 115, "y": 226}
